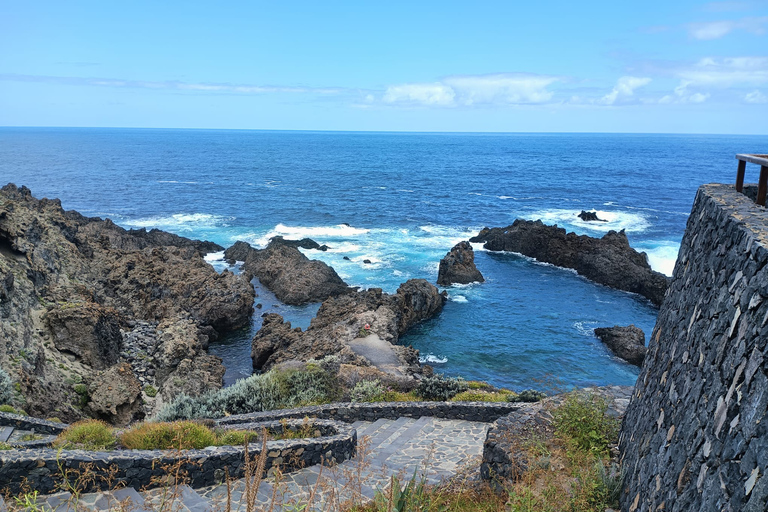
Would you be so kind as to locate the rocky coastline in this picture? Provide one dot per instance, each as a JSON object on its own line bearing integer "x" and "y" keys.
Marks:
{"x": 458, "y": 266}
{"x": 105, "y": 322}
{"x": 608, "y": 260}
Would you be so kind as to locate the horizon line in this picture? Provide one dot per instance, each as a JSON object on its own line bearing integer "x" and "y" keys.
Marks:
{"x": 304, "y": 130}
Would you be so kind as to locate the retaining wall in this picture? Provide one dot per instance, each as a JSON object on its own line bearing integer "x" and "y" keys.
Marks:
{"x": 695, "y": 436}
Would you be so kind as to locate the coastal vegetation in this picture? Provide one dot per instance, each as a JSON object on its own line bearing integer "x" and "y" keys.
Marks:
{"x": 175, "y": 435}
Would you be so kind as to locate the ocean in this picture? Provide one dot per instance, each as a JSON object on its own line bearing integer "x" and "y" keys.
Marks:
{"x": 402, "y": 200}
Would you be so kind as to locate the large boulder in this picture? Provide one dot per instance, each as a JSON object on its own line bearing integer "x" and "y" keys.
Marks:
{"x": 458, "y": 266}
{"x": 339, "y": 328}
{"x": 88, "y": 331}
{"x": 291, "y": 276}
{"x": 626, "y": 342}
{"x": 608, "y": 260}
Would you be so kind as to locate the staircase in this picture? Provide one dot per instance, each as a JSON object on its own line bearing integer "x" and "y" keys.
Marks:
{"x": 433, "y": 449}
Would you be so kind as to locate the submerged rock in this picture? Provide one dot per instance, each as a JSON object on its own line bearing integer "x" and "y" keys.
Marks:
{"x": 458, "y": 266}
{"x": 626, "y": 342}
{"x": 338, "y": 328}
{"x": 608, "y": 260}
{"x": 291, "y": 276}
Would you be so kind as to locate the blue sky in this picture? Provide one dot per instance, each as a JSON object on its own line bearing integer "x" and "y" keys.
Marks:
{"x": 651, "y": 66}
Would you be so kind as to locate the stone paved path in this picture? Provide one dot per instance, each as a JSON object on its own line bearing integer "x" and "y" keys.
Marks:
{"x": 432, "y": 448}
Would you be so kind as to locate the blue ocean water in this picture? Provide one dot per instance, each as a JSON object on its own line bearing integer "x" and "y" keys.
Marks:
{"x": 402, "y": 200}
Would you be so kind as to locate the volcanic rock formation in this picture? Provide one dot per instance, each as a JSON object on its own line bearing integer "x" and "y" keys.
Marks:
{"x": 80, "y": 295}
{"x": 291, "y": 276}
{"x": 608, "y": 260}
{"x": 626, "y": 342}
{"x": 339, "y": 329}
{"x": 458, "y": 266}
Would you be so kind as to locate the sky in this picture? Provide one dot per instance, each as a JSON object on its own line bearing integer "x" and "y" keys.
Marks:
{"x": 482, "y": 66}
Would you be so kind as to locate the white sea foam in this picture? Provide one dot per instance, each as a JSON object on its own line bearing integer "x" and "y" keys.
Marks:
{"x": 586, "y": 327}
{"x": 432, "y": 359}
{"x": 474, "y": 194}
{"x": 631, "y": 222}
{"x": 182, "y": 222}
{"x": 458, "y": 298}
{"x": 662, "y": 256}
{"x": 214, "y": 256}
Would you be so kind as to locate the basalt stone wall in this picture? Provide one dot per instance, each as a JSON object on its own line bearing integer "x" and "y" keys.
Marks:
{"x": 40, "y": 469}
{"x": 29, "y": 423}
{"x": 358, "y": 411}
{"x": 695, "y": 436}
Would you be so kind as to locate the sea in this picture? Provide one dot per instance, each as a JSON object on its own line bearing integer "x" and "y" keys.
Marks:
{"x": 401, "y": 201}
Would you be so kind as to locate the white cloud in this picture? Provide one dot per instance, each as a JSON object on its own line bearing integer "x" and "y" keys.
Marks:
{"x": 435, "y": 94}
{"x": 474, "y": 90}
{"x": 717, "y": 29}
{"x": 625, "y": 88}
{"x": 756, "y": 97}
{"x": 726, "y": 72}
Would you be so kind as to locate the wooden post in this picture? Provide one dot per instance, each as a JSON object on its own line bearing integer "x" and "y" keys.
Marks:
{"x": 762, "y": 186}
{"x": 740, "y": 176}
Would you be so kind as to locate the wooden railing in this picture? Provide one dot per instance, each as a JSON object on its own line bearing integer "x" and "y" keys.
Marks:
{"x": 762, "y": 184}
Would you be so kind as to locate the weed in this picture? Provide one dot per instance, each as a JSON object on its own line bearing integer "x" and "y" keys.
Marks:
{"x": 181, "y": 435}
{"x": 11, "y": 409}
{"x": 150, "y": 391}
{"x": 481, "y": 396}
{"x": 367, "y": 391}
{"x": 582, "y": 419}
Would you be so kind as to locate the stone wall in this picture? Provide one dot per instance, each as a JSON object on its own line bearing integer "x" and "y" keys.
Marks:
{"x": 29, "y": 423}
{"x": 40, "y": 469}
{"x": 695, "y": 436}
{"x": 359, "y": 411}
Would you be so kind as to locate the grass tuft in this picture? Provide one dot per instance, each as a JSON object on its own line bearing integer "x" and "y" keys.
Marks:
{"x": 87, "y": 435}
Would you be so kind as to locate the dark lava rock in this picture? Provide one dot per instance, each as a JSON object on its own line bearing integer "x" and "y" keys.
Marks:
{"x": 608, "y": 260}
{"x": 291, "y": 276}
{"x": 89, "y": 331}
{"x": 626, "y": 342}
{"x": 346, "y": 258}
{"x": 304, "y": 243}
{"x": 590, "y": 217}
{"x": 458, "y": 266}
{"x": 367, "y": 262}
{"x": 339, "y": 321}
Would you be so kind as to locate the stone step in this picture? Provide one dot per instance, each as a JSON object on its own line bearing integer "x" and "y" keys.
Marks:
{"x": 372, "y": 428}
{"x": 5, "y": 434}
{"x": 396, "y": 443}
{"x": 385, "y": 433}
{"x": 404, "y": 425}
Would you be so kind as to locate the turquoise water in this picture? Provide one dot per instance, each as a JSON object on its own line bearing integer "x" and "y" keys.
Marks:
{"x": 407, "y": 198}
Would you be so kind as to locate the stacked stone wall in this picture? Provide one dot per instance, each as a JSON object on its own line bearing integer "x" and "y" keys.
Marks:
{"x": 695, "y": 436}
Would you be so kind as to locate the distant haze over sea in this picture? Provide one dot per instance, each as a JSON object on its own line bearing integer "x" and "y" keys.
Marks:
{"x": 401, "y": 201}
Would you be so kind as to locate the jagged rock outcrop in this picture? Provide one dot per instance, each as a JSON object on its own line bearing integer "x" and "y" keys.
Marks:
{"x": 115, "y": 395}
{"x": 608, "y": 260}
{"x": 304, "y": 243}
{"x": 458, "y": 266}
{"x": 627, "y": 342}
{"x": 291, "y": 276}
{"x": 73, "y": 289}
{"x": 590, "y": 216}
{"x": 339, "y": 326}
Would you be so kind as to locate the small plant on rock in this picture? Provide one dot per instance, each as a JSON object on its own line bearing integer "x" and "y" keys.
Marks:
{"x": 581, "y": 419}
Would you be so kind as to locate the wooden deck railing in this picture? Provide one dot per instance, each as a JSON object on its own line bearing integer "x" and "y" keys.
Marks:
{"x": 762, "y": 184}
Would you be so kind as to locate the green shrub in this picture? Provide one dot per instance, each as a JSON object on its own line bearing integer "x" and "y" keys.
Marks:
{"x": 5, "y": 446}
{"x": 582, "y": 420}
{"x": 81, "y": 389}
{"x": 87, "y": 435}
{"x": 11, "y": 409}
{"x": 367, "y": 391}
{"x": 528, "y": 395}
{"x": 476, "y": 384}
{"x": 6, "y": 388}
{"x": 276, "y": 389}
{"x": 180, "y": 435}
{"x": 480, "y": 396}
{"x": 151, "y": 391}
{"x": 440, "y": 387}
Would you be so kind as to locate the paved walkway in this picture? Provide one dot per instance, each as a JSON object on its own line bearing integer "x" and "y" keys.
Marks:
{"x": 434, "y": 449}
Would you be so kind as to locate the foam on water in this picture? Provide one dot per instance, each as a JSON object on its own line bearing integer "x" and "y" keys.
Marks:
{"x": 457, "y": 298}
{"x": 432, "y": 359}
{"x": 662, "y": 256}
{"x": 630, "y": 222}
{"x": 181, "y": 222}
{"x": 586, "y": 327}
